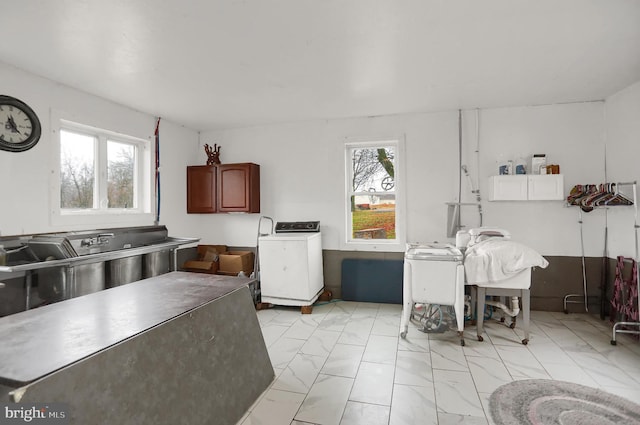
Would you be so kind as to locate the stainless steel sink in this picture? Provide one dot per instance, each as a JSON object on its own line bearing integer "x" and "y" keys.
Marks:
{"x": 61, "y": 283}
{"x": 70, "y": 264}
{"x": 121, "y": 271}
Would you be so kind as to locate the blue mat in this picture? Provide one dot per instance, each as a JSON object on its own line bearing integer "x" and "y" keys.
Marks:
{"x": 378, "y": 281}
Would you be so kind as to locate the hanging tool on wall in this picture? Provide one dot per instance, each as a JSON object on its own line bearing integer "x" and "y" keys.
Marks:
{"x": 157, "y": 171}
{"x": 454, "y": 209}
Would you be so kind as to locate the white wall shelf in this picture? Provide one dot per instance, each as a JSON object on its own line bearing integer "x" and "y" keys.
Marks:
{"x": 526, "y": 187}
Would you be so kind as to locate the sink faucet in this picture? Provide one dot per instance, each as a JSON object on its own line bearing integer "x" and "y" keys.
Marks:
{"x": 101, "y": 239}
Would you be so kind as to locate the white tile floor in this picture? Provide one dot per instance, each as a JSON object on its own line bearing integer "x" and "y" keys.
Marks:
{"x": 346, "y": 364}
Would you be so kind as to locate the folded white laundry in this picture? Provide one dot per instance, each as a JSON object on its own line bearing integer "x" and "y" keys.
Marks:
{"x": 496, "y": 259}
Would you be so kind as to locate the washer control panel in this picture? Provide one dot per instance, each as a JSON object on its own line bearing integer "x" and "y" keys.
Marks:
{"x": 297, "y": 226}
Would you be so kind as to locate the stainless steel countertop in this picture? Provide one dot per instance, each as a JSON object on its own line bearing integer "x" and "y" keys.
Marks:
{"x": 100, "y": 256}
{"x": 38, "y": 342}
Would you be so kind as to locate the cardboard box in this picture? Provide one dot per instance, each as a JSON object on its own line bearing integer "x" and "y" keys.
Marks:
{"x": 201, "y": 266}
{"x": 233, "y": 262}
{"x": 207, "y": 250}
{"x": 208, "y": 259}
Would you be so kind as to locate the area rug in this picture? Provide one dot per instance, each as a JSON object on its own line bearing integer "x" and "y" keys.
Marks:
{"x": 547, "y": 402}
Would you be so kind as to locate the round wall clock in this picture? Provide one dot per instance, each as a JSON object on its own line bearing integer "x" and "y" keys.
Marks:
{"x": 19, "y": 125}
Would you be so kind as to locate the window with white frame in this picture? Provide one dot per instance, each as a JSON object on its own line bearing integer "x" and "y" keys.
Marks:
{"x": 102, "y": 172}
{"x": 372, "y": 193}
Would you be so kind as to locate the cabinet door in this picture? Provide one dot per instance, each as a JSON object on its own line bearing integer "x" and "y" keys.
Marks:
{"x": 508, "y": 188}
{"x": 201, "y": 189}
{"x": 239, "y": 188}
{"x": 546, "y": 187}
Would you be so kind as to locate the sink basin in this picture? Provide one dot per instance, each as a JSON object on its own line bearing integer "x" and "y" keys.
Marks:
{"x": 121, "y": 271}
{"x": 55, "y": 285}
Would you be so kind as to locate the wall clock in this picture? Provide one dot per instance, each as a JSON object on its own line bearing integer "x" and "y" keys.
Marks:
{"x": 19, "y": 125}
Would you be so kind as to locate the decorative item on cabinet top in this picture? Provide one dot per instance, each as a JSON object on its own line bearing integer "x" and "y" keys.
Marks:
{"x": 526, "y": 187}
{"x": 213, "y": 155}
{"x": 223, "y": 188}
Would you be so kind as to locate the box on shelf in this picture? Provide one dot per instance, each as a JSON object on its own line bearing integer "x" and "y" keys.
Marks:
{"x": 553, "y": 169}
{"x": 234, "y": 262}
{"x": 538, "y": 163}
{"x": 208, "y": 259}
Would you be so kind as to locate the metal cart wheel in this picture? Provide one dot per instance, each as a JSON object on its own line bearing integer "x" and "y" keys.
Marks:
{"x": 432, "y": 318}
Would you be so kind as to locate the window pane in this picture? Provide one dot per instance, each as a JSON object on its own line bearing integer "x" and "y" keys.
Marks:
{"x": 77, "y": 170}
{"x": 120, "y": 174}
{"x": 373, "y": 169}
{"x": 373, "y": 215}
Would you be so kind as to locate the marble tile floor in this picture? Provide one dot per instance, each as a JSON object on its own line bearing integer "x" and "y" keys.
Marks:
{"x": 345, "y": 364}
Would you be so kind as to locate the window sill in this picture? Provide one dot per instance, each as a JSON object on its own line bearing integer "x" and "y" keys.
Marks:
{"x": 100, "y": 218}
{"x": 377, "y": 246}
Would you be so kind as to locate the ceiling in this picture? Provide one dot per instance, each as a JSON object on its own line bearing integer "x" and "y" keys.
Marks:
{"x": 211, "y": 64}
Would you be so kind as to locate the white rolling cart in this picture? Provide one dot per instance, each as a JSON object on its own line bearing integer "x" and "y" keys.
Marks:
{"x": 433, "y": 277}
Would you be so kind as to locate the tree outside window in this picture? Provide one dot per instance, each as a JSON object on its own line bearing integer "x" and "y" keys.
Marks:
{"x": 82, "y": 155}
{"x": 120, "y": 174}
{"x": 77, "y": 170}
{"x": 372, "y": 194}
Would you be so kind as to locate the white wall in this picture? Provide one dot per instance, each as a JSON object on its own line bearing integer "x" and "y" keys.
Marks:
{"x": 571, "y": 135}
{"x": 302, "y": 171}
{"x": 302, "y": 167}
{"x": 24, "y": 200}
{"x": 622, "y": 113}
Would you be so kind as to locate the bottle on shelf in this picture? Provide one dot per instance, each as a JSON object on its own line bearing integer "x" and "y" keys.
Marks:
{"x": 521, "y": 167}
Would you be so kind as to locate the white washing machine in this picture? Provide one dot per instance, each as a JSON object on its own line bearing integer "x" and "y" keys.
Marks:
{"x": 291, "y": 264}
{"x": 433, "y": 275}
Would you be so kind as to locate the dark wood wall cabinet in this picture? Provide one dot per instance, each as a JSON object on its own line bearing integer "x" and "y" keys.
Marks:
{"x": 223, "y": 188}
{"x": 201, "y": 189}
{"x": 238, "y": 188}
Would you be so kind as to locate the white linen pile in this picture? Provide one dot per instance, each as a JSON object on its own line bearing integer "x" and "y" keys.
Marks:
{"x": 496, "y": 259}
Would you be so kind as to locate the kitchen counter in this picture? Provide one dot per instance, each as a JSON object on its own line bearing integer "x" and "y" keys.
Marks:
{"x": 74, "y": 329}
{"x": 124, "y": 350}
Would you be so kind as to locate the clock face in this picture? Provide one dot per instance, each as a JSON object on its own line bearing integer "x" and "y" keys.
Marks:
{"x": 19, "y": 125}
